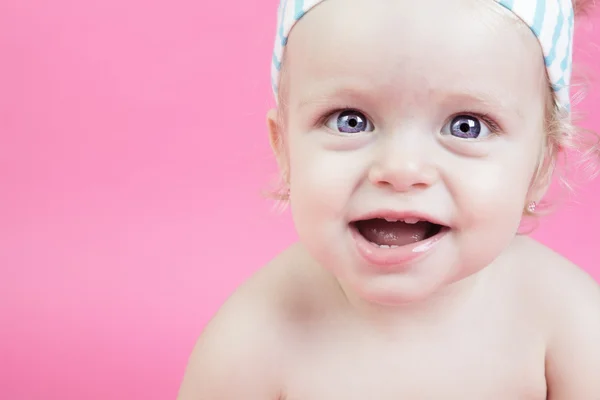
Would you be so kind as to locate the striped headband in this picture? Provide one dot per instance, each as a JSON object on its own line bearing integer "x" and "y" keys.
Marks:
{"x": 552, "y": 22}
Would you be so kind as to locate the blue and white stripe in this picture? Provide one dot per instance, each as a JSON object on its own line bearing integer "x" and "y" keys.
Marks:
{"x": 289, "y": 12}
{"x": 552, "y": 22}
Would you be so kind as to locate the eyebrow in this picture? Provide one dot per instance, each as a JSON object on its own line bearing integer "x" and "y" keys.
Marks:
{"x": 487, "y": 100}
{"x": 326, "y": 96}
{"x": 466, "y": 96}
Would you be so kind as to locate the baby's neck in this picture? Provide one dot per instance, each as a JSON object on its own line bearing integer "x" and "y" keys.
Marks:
{"x": 447, "y": 305}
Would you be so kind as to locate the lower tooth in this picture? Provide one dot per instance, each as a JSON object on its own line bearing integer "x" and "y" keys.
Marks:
{"x": 385, "y": 246}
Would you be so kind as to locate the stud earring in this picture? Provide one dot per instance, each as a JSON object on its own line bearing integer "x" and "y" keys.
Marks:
{"x": 531, "y": 207}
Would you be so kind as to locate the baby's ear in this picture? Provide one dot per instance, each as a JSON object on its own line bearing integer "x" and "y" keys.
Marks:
{"x": 542, "y": 179}
{"x": 276, "y": 139}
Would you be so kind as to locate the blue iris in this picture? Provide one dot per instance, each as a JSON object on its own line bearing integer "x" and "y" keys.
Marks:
{"x": 465, "y": 127}
{"x": 351, "y": 121}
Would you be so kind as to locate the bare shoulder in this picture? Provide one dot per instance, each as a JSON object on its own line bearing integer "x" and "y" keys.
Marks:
{"x": 569, "y": 300}
{"x": 559, "y": 289}
{"x": 242, "y": 351}
{"x": 537, "y": 255}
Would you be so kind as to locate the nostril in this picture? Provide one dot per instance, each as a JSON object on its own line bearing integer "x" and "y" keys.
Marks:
{"x": 420, "y": 186}
{"x": 403, "y": 174}
{"x": 394, "y": 186}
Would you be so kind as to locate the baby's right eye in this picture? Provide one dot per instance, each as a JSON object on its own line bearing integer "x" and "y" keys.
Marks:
{"x": 349, "y": 121}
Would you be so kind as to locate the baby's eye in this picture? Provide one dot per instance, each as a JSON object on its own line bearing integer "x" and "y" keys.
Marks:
{"x": 349, "y": 121}
{"x": 466, "y": 127}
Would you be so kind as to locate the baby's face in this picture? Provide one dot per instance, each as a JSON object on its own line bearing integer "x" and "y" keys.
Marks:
{"x": 399, "y": 106}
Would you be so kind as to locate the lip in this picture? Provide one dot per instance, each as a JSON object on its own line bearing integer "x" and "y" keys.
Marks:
{"x": 398, "y": 256}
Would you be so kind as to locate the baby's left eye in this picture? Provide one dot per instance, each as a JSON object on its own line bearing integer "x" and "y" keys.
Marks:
{"x": 466, "y": 127}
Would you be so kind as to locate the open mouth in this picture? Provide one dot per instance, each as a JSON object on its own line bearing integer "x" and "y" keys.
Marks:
{"x": 390, "y": 233}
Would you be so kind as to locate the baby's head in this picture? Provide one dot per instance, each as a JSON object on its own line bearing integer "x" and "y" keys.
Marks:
{"x": 449, "y": 111}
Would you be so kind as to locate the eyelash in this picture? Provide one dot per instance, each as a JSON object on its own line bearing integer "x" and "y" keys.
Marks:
{"x": 495, "y": 128}
{"x": 326, "y": 115}
{"x": 489, "y": 121}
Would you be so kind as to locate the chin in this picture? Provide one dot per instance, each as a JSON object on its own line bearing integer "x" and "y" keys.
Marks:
{"x": 399, "y": 289}
{"x": 417, "y": 281}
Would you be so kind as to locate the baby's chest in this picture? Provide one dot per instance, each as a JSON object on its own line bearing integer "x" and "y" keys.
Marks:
{"x": 461, "y": 369}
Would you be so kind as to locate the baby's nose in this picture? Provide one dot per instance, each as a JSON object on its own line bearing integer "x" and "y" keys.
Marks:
{"x": 404, "y": 164}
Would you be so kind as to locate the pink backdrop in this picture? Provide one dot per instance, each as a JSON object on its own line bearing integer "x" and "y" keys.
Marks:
{"x": 132, "y": 154}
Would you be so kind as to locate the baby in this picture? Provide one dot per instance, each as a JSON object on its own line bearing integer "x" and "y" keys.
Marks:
{"x": 413, "y": 138}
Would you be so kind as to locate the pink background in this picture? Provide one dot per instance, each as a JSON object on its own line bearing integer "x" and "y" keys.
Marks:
{"x": 132, "y": 155}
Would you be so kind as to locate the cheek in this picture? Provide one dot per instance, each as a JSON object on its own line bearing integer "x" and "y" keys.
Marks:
{"x": 321, "y": 178}
{"x": 321, "y": 185}
{"x": 494, "y": 194}
{"x": 489, "y": 202}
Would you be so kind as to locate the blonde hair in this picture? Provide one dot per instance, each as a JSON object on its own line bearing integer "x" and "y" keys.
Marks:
{"x": 564, "y": 138}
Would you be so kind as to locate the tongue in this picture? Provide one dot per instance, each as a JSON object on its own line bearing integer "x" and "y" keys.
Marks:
{"x": 381, "y": 232}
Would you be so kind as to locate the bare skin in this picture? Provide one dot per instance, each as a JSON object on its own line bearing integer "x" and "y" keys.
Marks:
{"x": 290, "y": 333}
{"x": 482, "y": 314}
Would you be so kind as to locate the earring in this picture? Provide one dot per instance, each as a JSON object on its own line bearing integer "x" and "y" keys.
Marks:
{"x": 285, "y": 193}
{"x": 531, "y": 207}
